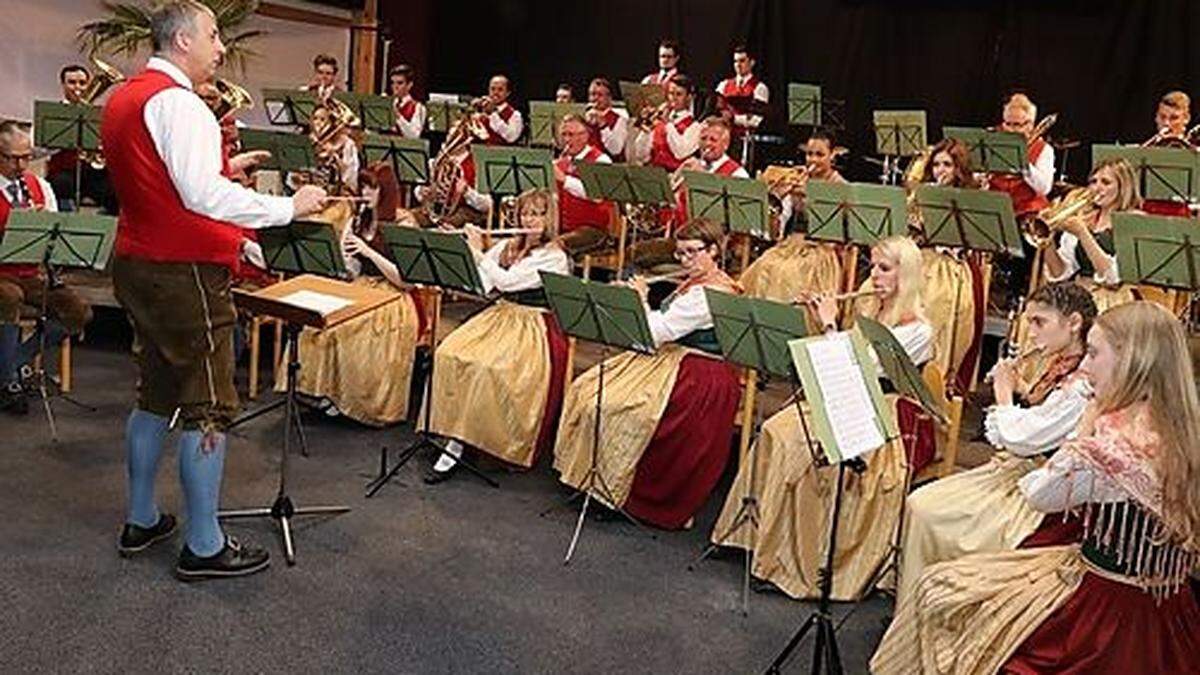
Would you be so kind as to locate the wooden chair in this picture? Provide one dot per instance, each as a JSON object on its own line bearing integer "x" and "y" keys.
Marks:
{"x": 256, "y": 325}
{"x": 947, "y": 436}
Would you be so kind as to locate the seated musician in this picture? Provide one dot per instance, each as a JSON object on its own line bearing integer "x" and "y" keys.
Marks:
{"x": 1029, "y": 188}
{"x": 982, "y": 509}
{"x": 410, "y": 113}
{"x": 608, "y": 126}
{"x": 1085, "y": 250}
{"x": 25, "y": 286}
{"x": 450, "y": 199}
{"x": 1171, "y": 119}
{"x": 668, "y": 416}
{"x": 744, "y": 85}
{"x": 61, "y": 167}
{"x": 795, "y": 264}
{"x": 324, "y": 78}
{"x": 1117, "y": 600}
{"x": 950, "y": 277}
{"x": 335, "y": 149}
{"x": 668, "y": 64}
{"x": 795, "y": 496}
{"x": 584, "y": 222}
{"x": 565, "y": 93}
{"x": 673, "y": 136}
{"x": 362, "y": 369}
{"x": 498, "y": 378}
{"x": 499, "y": 118}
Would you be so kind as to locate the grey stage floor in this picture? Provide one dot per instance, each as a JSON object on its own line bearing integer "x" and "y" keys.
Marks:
{"x": 458, "y": 578}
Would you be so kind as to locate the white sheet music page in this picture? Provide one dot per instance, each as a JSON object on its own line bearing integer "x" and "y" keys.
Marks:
{"x": 322, "y": 303}
{"x": 847, "y": 401}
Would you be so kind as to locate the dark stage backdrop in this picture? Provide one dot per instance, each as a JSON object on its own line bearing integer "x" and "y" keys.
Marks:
{"x": 1100, "y": 64}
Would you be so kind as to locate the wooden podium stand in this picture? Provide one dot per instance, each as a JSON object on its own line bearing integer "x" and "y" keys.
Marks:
{"x": 303, "y": 301}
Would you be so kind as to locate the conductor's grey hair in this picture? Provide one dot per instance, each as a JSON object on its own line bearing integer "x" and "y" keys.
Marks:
{"x": 171, "y": 18}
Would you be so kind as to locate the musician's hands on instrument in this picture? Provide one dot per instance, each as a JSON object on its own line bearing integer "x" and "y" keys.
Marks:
{"x": 559, "y": 175}
{"x": 353, "y": 244}
{"x": 309, "y": 199}
{"x": 1004, "y": 381}
{"x": 638, "y": 283}
{"x": 253, "y": 254}
{"x": 1076, "y": 225}
{"x": 474, "y": 237}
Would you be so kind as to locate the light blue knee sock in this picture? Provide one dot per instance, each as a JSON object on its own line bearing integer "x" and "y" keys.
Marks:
{"x": 200, "y": 467}
{"x": 144, "y": 435}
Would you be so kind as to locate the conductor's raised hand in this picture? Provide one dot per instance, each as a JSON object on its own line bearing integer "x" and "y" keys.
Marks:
{"x": 308, "y": 200}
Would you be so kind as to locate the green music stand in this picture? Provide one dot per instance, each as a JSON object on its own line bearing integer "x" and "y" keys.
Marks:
{"x": 899, "y": 133}
{"x": 740, "y": 204}
{"x": 897, "y": 367}
{"x": 289, "y": 107}
{"x": 807, "y": 106}
{"x": 1158, "y": 250}
{"x": 444, "y": 261}
{"x": 992, "y": 151}
{"x": 544, "y": 117}
{"x": 409, "y": 157}
{"x": 506, "y": 170}
{"x": 53, "y": 241}
{"x": 627, "y": 183}
{"x": 613, "y": 316}
{"x": 1167, "y": 174}
{"x": 444, "y": 111}
{"x": 638, "y": 96}
{"x": 289, "y": 151}
{"x": 858, "y": 213}
{"x": 978, "y": 220}
{"x": 303, "y": 247}
{"x": 67, "y": 126}
{"x": 374, "y": 110}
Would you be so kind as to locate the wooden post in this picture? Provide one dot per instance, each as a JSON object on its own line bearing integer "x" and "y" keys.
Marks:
{"x": 366, "y": 25}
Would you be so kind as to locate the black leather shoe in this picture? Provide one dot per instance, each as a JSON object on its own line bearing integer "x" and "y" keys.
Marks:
{"x": 235, "y": 560}
{"x": 135, "y": 538}
{"x": 13, "y": 399}
{"x": 433, "y": 476}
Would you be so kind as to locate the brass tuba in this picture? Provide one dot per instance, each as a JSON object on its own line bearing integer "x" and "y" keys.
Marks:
{"x": 233, "y": 98}
{"x": 1039, "y": 229}
{"x": 340, "y": 117}
{"x": 447, "y": 173}
{"x": 104, "y": 77}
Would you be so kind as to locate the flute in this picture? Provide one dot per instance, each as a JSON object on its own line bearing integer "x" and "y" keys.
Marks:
{"x": 809, "y": 298}
{"x": 673, "y": 276}
{"x": 499, "y": 232}
{"x": 1017, "y": 360}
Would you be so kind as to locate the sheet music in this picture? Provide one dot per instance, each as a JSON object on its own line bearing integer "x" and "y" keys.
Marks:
{"x": 847, "y": 402}
{"x": 322, "y": 303}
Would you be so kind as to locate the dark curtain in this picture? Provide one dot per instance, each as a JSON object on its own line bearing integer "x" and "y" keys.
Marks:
{"x": 1101, "y": 65}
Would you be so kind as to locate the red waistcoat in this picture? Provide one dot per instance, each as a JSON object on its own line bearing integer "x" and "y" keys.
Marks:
{"x": 34, "y": 187}
{"x": 607, "y": 122}
{"x": 154, "y": 224}
{"x": 505, "y": 112}
{"x": 576, "y": 212}
{"x": 660, "y": 149}
{"x": 1024, "y": 199}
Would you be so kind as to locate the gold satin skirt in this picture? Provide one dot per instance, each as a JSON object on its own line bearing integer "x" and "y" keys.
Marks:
{"x": 977, "y": 511}
{"x": 792, "y": 266}
{"x": 795, "y": 500}
{"x": 363, "y": 365}
{"x": 637, "y": 388}
{"x": 491, "y": 380}
{"x": 952, "y": 320}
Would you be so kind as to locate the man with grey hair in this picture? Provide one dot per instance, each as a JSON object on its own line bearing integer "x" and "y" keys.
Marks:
{"x": 25, "y": 285}
{"x": 179, "y": 236}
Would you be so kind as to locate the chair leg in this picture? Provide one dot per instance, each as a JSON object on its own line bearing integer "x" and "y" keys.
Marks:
{"x": 64, "y": 365}
{"x": 277, "y": 355}
{"x": 950, "y": 457}
{"x": 255, "y": 352}
{"x": 749, "y": 391}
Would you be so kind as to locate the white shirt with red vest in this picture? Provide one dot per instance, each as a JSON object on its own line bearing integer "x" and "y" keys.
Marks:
{"x": 725, "y": 166}
{"x": 661, "y": 76}
{"x": 612, "y": 132}
{"x": 410, "y": 117}
{"x": 575, "y": 209}
{"x": 33, "y": 193}
{"x": 176, "y": 206}
{"x": 504, "y": 125}
{"x": 669, "y": 143}
{"x": 1029, "y": 188}
{"x": 745, "y": 87}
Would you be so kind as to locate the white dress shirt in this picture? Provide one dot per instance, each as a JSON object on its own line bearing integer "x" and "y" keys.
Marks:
{"x": 682, "y": 145}
{"x": 1028, "y": 432}
{"x": 1040, "y": 175}
{"x": 188, "y": 140}
{"x": 47, "y": 191}
{"x": 685, "y": 314}
{"x": 510, "y": 131}
{"x": 714, "y": 166}
{"x": 614, "y": 138}
{"x": 1068, "y": 249}
{"x": 761, "y": 93}
{"x": 523, "y": 274}
{"x": 574, "y": 184}
{"x": 1068, "y": 481}
{"x": 411, "y": 128}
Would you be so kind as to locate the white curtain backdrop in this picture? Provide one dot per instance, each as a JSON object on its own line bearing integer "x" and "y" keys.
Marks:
{"x": 37, "y": 37}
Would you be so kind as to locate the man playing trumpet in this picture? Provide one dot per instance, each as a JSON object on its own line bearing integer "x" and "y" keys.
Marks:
{"x": 502, "y": 121}
{"x": 1029, "y": 188}
{"x": 673, "y": 135}
{"x": 609, "y": 127}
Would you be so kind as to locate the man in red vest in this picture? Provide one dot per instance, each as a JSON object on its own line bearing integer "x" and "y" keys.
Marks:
{"x": 1171, "y": 118}
{"x": 503, "y": 123}
{"x": 24, "y": 285}
{"x": 179, "y": 236}
{"x": 674, "y": 137}
{"x": 744, "y": 86}
{"x": 1029, "y": 188}
{"x": 410, "y": 113}
{"x": 583, "y": 222}
{"x": 609, "y": 127}
{"x": 668, "y": 63}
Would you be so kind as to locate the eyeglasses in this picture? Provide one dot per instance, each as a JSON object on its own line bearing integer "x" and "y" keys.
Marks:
{"x": 27, "y": 157}
{"x": 682, "y": 252}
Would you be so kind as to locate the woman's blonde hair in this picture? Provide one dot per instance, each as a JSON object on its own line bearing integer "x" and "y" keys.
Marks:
{"x": 1154, "y": 366}
{"x": 909, "y": 304}
{"x": 547, "y": 198}
{"x": 1129, "y": 195}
